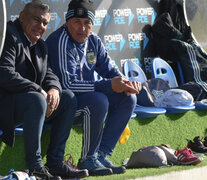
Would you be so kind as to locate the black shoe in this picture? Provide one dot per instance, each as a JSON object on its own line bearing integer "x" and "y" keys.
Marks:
{"x": 66, "y": 171}
{"x": 43, "y": 174}
{"x": 205, "y": 141}
{"x": 197, "y": 145}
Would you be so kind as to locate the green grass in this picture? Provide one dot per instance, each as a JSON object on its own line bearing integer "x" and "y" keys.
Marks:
{"x": 164, "y": 129}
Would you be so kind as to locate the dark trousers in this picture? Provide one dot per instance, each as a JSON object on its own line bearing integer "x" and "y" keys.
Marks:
{"x": 105, "y": 118}
{"x": 30, "y": 109}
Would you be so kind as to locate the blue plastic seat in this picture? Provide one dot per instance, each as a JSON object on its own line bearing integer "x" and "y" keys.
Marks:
{"x": 179, "y": 109}
{"x": 134, "y": 73}
{"x": 18, "y": 131}
{"x": 161, "y": 69}
{"x": 200, "y": 105}
{"x": 182, "y": 80}
{"x": 133, "y": 115}
{"x": 148, "y": 112}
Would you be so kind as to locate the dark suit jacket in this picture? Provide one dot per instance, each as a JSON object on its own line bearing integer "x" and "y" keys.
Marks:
{"x": 18, "y": 74}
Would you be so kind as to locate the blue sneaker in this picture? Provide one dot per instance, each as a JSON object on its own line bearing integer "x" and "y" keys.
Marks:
{"x": 94, "y": 167}
{"x": 107, "y": 163}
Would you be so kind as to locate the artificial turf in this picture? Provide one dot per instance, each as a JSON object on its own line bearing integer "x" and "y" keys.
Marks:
{"x": 172, "y": 129}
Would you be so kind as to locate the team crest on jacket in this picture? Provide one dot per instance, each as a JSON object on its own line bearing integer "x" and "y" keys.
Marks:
{"x": 91, "y": 58}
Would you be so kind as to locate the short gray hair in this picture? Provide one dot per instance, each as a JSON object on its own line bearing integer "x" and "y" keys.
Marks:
{"x": 36, "y": 4}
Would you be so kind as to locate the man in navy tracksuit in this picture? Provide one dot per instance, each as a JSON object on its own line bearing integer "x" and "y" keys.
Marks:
{"x": 74, "y": 54}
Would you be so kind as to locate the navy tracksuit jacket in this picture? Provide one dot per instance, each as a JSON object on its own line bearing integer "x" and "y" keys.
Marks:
{"x": 74, "y": 63}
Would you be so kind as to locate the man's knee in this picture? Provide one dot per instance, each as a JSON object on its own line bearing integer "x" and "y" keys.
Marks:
{"x": 69, "y": 99}
{"x": 129, "y": 101}
{"x": 33, "y": 101}
{"x": 38, "y": 101}
{"x": 132, "y": 99}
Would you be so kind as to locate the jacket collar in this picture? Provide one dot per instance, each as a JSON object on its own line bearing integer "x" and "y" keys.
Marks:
{"x": 24, "y": 39}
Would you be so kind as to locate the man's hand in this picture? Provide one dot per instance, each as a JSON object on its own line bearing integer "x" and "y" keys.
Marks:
{"x": 44, "y": 94}
{"x": 120, "y": 84}
{"x": 53, "y": 99}
{"x": 136, "y": 85}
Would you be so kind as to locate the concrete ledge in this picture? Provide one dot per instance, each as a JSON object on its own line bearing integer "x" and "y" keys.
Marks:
{"x": 190, "y": 174}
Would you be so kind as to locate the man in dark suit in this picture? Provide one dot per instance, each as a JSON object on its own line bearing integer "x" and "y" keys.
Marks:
{"x": 31, "y": 93}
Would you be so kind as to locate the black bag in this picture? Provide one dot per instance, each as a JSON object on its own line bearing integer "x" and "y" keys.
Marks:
{"x": 195, "y": 90}
{"x": 151, "y": 90}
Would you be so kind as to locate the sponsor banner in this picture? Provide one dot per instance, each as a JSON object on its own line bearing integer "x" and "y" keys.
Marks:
{"x": 119, "y": 23}
{"x": 197, "y": 16}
